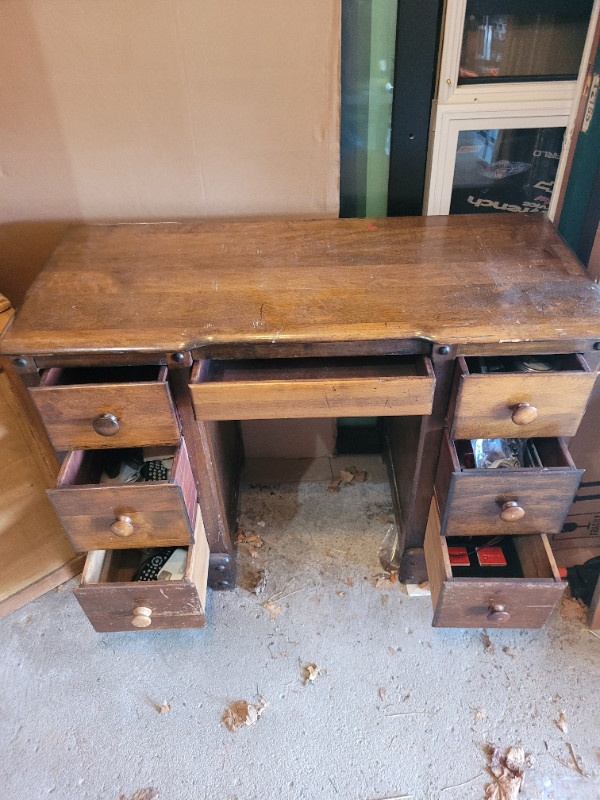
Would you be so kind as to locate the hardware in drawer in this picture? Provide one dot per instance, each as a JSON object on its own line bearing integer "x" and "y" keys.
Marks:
{"x": 526, "y": 396}
{"x": 114, "y": 601}
{"x": 518, "y": 500}
{"x": 524, "y": 598}
{"x": 147, "y": 513}
{"x": 85, "y": 407}
{"x": 312, "y": 387}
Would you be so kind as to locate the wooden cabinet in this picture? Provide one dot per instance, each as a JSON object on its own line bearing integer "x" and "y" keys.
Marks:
{"x": 529, "y": 401}
{"x": 433, "y": 324}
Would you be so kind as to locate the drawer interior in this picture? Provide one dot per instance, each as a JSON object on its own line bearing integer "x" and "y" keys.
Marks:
{"x": 543, "y": 453}
{"x": 569, "y": 362}
{"x": 294, "y": 369}
{"x": 120, "y": 566}
{"x": 87, "y": 467}
{"x": 77, "y": 376}
{"x": 525, "y": 556}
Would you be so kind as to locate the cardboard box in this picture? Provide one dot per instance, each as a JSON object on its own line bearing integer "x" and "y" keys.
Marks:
{"x": 288, "y": 438}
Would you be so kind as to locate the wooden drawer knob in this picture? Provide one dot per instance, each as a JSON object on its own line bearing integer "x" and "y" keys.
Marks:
{"x": 122, "y": 526}
{"x": 512, "y": 512}
{"x": 141, "y": 617}
{"x": 524, "y": 414}
{"x": 106, "y": 425}
{"x": 498, "y": 613}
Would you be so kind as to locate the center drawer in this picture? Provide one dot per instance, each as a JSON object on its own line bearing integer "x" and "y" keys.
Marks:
{"x": 96, "y": 407}
{"x": 123, "y": 515}
{"x": 496, "y": 397}
{"x": 478, "y": 602}
{"x": 113, "y": 601}
{"x": 502, "y": 501}
{"x": 312, "y": 387}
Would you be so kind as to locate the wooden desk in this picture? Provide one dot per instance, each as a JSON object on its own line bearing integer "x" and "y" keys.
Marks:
{"x": 306, "y": 318}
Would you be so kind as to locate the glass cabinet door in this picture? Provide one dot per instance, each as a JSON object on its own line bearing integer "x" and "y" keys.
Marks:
{"x": 505, "y": 170}
{"x": 509, "y": 79}
{"x": 517, "y": 40}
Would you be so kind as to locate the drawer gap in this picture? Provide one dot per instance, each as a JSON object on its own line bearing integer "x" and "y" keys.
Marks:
{"x": 526, "y": 558}
{"x": 76, "y": 376}
{"x": 231, "y": 371}
{"x": 552, "y": 451}
{"x": 119, "y": 566}
{"x": 471, "y": 544}
{"x": 567, "y": 362}
{"x": 85, "y": 467}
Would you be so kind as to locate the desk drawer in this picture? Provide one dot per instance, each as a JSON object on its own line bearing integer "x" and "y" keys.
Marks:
{"x": 515, "y": 403}
{"x": 114, "y": 602}
{"x": 312, "y": 387}
{"x": 479, "y": 602}
{"x": 106, "y": 407}
{"x": 473, "y": 501}
{"x": 123, "y": 515}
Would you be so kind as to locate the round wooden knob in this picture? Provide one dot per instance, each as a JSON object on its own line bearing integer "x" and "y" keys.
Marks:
{"x": 106, "y": 425}
{"x": 512, "y": 512}
{"x": 122, "y": 526}
{"x": 498, "y": 613}
{"x": 141, "y": 617}
{"x": 524, "y": 414}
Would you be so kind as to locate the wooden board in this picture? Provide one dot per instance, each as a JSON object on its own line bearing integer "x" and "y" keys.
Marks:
{"x": 35, "y": 555}
{"x": 477, "y": 279}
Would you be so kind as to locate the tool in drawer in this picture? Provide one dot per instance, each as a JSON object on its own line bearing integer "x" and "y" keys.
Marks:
{"x": 162, "y": 564}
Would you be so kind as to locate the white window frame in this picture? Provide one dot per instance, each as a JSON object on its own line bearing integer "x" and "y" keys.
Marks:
{"x": 448, "y": 122}
{"x": 528, "y": 104}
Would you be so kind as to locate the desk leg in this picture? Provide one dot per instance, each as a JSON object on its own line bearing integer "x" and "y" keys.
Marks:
{"x": 215, "y": 453}
{"x": 412, "y": 447}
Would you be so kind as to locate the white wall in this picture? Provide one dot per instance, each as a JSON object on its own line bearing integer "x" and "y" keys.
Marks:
{"x": 162, "y": 109}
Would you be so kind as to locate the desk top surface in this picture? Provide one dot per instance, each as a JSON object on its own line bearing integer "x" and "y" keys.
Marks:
{"x": 169, "y": 286}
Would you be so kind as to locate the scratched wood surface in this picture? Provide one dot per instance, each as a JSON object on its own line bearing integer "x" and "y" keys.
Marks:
{"x": 162, "y": 287}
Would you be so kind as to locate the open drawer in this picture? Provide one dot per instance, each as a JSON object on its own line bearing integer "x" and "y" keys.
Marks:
{"x": 312, "y": 387}
{"x": 113, "y": 601}
{"x": 123, "y": 515}
{"x": 496, "y": 397}
{"x": 505, "y": 500}
{"x": 96, "y": 407}
{"x": 525, "y": 601}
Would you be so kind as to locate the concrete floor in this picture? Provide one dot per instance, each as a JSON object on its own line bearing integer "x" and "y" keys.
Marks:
{"x": 398, "y": 709}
